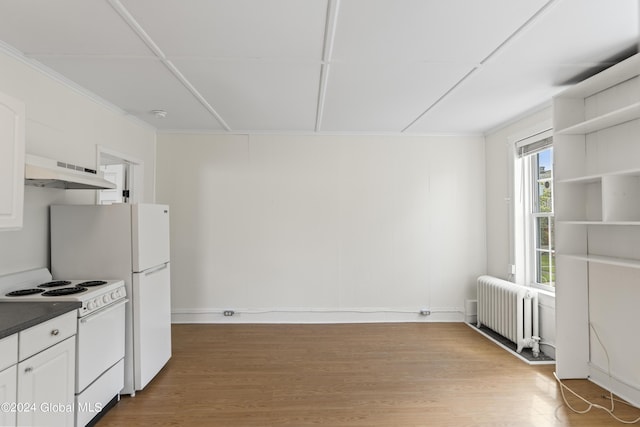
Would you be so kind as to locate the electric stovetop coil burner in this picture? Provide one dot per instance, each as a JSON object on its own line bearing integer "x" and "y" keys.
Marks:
{"x": 54, "y": 284}
{"x": 92, "y": 283}
{"x": 24, "y": 292}
{"x": 64, "y": 291}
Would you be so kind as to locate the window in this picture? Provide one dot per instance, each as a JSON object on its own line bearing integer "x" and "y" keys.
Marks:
{"x": 534, "y": 212}
{"x": 541, "y": 219}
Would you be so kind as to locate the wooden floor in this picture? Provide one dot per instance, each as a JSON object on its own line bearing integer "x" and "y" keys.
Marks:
{"x": 401, "y": 374}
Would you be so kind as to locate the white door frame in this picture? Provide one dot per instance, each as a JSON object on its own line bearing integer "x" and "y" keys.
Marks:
{"x": 136, "y": 172}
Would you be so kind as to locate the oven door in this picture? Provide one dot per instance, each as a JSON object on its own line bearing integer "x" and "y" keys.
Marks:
{"x": 100, "y": 343}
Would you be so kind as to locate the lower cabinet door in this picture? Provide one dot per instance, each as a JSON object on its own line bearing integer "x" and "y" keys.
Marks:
{"x": 8, "y": 396}
{"x": 46, "y": 383}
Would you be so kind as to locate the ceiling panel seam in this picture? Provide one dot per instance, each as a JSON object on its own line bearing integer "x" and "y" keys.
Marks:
{"x": 327, "y": 51}
{"x": 443, "y": 96}
{"x": 400, "y": 68}
{"x": 507, "y": 41}
{"x": 520, "y": 30}
{"x": 142, "y": 34}
{"x": 322, "y": 94}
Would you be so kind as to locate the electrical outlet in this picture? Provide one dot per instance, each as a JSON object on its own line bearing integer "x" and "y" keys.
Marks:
{"x": 425, "y": 312}
{"x": 228, "y": 313}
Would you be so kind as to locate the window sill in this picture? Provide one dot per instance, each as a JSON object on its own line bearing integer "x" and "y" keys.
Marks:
{"x": 545, "y": 292}
{"x": 546, "y": 298}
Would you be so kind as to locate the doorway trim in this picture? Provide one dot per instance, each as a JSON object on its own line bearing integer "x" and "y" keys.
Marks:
{"x": 136, "y": 172}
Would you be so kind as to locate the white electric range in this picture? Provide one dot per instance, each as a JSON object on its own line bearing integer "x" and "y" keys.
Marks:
{"x": 93, "y": 294}
{"x": 100, "y": 342}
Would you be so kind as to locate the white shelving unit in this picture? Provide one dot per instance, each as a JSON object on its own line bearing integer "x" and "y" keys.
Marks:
{"x": 606, "y": 120}
{"x": 605, "y": 198}
{"x": 597, "y": 184}
{"x": 609, "y": 260}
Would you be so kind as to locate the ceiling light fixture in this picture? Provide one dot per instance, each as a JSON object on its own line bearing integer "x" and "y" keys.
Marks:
{"x": 160, "y": 114}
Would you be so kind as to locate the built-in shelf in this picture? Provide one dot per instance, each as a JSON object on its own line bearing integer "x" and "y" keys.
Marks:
{"x": 597, "y": 193}
{"x": 604, "y": 198}
{"x": 604, "y": 121}
{"x": 609, "y": 260}
{"x": 593, "y": 178}
{"x": 585, "y": 222}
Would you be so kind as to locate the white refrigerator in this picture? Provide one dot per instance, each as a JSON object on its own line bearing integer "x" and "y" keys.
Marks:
{"x": 128, "y": 242}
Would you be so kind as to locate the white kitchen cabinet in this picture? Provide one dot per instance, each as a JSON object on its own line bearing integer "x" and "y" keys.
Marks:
{"x": 44, "y": 377}
{"x": 8, "y": 379}
{"x": 597, "y": 206}
{"x": 46, "y": 381}
{"x": 12, "y": 146}
{"x": 46, "y": 334}
{"x": 37, "y": 374}
{"x": 8, "y": 396}
{"x": 8, "y": 351}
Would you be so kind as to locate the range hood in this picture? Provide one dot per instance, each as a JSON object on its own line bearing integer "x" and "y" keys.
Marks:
{"x": 44, "y": 172}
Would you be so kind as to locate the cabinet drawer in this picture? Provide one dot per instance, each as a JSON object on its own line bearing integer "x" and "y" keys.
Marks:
{"x": 8, "y": 351}
{"x": 46, "y": 334}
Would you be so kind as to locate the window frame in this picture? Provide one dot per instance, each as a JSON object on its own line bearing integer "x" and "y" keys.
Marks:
{"x": 524, "y": 264}
{"x": 533, "y": 245}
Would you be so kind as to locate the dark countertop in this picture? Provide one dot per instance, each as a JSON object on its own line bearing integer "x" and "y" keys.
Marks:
{"x": 17, "y": 316}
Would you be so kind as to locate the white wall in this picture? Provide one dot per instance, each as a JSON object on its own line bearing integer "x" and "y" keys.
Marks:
{"x": 323, "y": 228}
{"x": 499, "y": 183}
{"x": 63, "y": 124}
{"x": 499, "y": 186}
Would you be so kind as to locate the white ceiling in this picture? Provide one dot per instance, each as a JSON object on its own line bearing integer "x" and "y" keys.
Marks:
{"x": 332, "y": 66}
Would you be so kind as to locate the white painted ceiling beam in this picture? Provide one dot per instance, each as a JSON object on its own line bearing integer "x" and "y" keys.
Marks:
{"x": 507, "y": 41}
{"x": 135, "y": 26}
{"x": 329, "y": 36}
{"x": 322, "y": 66}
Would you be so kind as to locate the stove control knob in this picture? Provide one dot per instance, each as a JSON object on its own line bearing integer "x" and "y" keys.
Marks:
{"x": 98, "y": 302}
{"x": 105, "y": 299}
{"x": 115, "y": 295}
{"x": 91, "y": 305}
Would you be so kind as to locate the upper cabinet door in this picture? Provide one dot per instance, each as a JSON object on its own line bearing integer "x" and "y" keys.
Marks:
{"x": 12, "y": 130}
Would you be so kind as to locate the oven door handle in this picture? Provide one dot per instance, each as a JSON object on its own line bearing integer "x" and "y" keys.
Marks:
{"x": 106, "y": 309}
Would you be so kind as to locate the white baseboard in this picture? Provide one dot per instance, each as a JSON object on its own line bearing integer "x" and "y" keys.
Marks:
{"x": 359, "y": 315}
{"x": 623, "y": 389}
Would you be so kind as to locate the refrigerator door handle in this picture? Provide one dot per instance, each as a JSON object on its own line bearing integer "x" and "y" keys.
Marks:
{"x": 154, "y": 270}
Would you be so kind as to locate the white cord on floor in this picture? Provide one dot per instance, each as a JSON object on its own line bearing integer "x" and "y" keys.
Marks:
{"x": 595, "y": 405}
